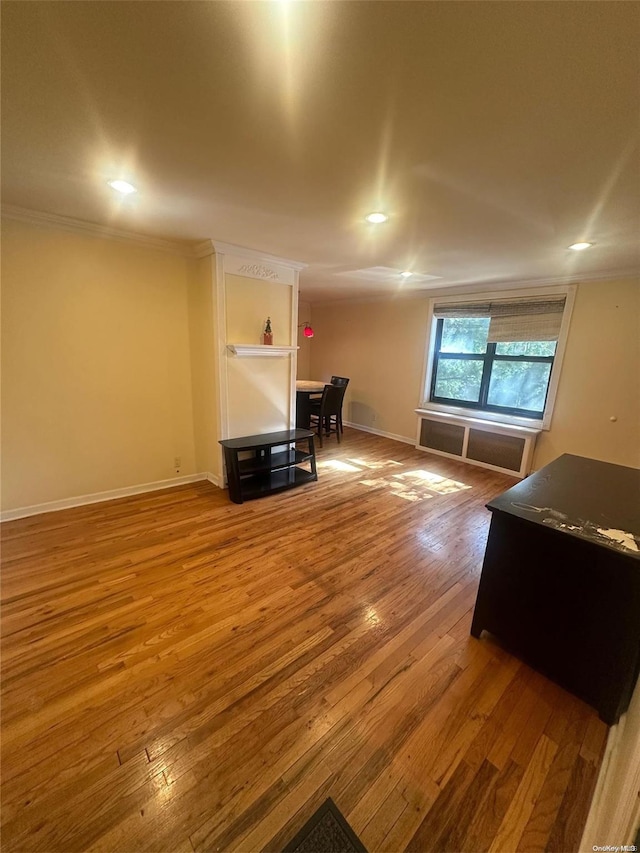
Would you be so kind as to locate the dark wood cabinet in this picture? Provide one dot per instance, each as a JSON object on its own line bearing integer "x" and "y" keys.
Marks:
{"x": 270, "y": 463}
{"x": 560, "y": 582}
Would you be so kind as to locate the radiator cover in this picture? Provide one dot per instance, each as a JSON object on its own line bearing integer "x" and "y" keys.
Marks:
{"x": 501, "y": 447}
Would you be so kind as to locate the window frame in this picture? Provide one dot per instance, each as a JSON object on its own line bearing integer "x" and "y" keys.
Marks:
{"x": 488, "y": 358}
{"x": 518, "y": 417}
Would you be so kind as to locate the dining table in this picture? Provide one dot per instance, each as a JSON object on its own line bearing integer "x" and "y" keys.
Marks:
{"x": 305, "y": 390}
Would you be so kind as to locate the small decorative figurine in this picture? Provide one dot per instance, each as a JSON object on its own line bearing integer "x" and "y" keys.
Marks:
{"x": 267, "y": 335}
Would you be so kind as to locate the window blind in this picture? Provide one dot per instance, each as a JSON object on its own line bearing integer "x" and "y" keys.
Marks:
{"x": 513, "y": 319}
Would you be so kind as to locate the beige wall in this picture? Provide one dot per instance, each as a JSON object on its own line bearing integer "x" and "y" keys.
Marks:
{"x": 600, "y": 378}
{"x": 203, "y": 366}
{"x": 258, "y": 388}
{"x": 380, "y": 346}
{"x": 108, "y": 365}
{"x": 96, "y": 382}
{"x": 305, "y": 344}
{"x": 249, "y": 301}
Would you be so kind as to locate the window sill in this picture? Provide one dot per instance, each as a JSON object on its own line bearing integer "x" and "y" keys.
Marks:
{"x": 453, "y": 414}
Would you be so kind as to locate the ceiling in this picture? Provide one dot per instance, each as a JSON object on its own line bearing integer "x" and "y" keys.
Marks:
{"x": 494, "y": 134}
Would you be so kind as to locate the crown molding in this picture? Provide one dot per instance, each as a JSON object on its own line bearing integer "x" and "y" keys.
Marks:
{"x": 252, "y": 254}
{"x": 185, "y": 249}
{"x": 388, "y": 296}
{"x": 79, "y": 226}
{"x": 468, "y": 288}
{"x": 510, "y": 284}
{"x": 204, "y": 249}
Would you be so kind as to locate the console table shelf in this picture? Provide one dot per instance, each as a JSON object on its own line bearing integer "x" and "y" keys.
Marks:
{"x": 264, "y": 471}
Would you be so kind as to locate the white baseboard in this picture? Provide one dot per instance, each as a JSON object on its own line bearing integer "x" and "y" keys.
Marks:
{"x": 390, "y": 435}
{"x": 111, "y": 494}
{"x": 614, "y": 816}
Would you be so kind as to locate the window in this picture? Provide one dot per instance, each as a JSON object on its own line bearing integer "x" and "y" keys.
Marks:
{"x": 495, "y": 357}
{"x": 471, "y": 371}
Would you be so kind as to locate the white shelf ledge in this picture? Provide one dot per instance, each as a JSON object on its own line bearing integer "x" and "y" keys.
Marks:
{"x": 260, "y": 350}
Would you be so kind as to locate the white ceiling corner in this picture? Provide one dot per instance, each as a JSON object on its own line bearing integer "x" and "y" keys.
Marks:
{"x": 512, "y": 136}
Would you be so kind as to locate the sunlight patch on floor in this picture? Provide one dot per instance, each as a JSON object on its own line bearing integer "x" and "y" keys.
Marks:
{"x": 337, "y": 465}
{"x": 417, "y": 485}
{"x": 375, "y": 466}
{"x": 434, "y": 482}
{"x": 401, "y": 490}
{"x": 372, "y": 616}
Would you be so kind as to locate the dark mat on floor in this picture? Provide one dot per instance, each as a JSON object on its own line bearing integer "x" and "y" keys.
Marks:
{"x": 326, "y": 831}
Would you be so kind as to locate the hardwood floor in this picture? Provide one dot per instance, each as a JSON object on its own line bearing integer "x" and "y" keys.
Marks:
{"x": 182, "y": 673}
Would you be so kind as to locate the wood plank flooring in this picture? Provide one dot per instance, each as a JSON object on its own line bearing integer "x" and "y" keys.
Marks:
{"x": 180, "y": 673}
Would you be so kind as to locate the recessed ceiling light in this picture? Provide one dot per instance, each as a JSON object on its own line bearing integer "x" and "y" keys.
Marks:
{"x": 406, "y": 274}
{"x": 377, "y": 217}
{"x": 123, "y": 187}
{"x": 578, "y": 247}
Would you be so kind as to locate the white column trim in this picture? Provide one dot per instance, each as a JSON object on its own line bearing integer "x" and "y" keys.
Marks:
{"x": 220, "y": 333}
{"x": 254, "y": 255}
{"x": 293, "y": 364}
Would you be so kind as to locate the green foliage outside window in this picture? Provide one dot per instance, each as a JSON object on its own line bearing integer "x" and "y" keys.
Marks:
{"x": 512, "y": 376}
{"x": 465, "y": 335}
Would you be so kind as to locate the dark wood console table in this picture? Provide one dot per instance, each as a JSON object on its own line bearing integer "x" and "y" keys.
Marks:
{"x": 271, "y": 464}
{"x": 560, "y": 582}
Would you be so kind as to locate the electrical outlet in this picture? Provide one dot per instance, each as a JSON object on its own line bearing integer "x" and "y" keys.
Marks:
{"x": 177, "y": 462}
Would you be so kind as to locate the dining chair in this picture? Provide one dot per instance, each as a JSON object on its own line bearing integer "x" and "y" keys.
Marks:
{"x": 341, "y": 381}
{"x": 327, "y": 411}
